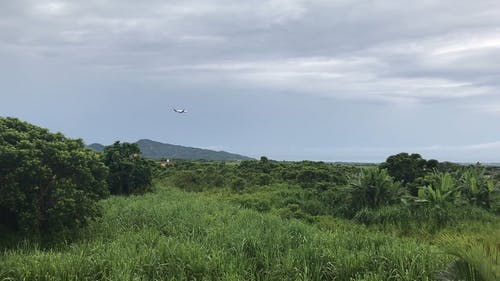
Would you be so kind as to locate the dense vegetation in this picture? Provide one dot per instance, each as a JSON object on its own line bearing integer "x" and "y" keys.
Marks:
{"x": 434, "y": 198}
{"x": 51, "y": 185}
{"x": 48, "y": 183}
{"x": 128, "y": 172}
{"x": 406, "y": 219}
{"x": 172, "y": 235}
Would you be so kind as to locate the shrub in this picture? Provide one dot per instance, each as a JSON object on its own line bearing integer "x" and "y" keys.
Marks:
{"x": 311, "y": 177}
{"x": 188, "y": 180}
{"x": 48, "y": 182}
{"x": 476, "y": 188}
{"x": 441, "y": 192}
{"x": 238, "y": 184}
{"x": 264, "y": 179}
{"x": 261, "y": 205}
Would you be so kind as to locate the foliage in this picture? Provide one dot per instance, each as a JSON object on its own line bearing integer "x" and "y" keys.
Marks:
{"x": 128, "y": 172}
{"x": 307, "y": 190}
{"x": 173, "y": 235}
{"x": 406, "y": 167}
{"x": 374, "y": 188}
{"x": 238, "y": 184}
{"x": 188, "y": 180}
{"x": 478, "y": 257}
{"x": 441, "y": 192}
{"x": 317, "y": 175}
{"x": 476, "y": 187}
{"x": 48, "y": 182}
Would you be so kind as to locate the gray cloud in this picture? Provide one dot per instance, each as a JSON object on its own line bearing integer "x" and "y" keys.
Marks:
{"x": 384, "y": 49}
{"x": 394, "y": 53}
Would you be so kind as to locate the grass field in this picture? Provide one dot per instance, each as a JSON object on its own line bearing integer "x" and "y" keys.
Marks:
{"x": 175, "y": 235}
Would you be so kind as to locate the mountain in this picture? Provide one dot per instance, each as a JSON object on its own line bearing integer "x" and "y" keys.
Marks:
{"x": 157, "y": 150}
{"x": 96, "y": 147}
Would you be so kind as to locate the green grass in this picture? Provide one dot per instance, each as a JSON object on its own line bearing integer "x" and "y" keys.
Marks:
{"x": 174, "y": 235}
{"x": 478, "y": 256}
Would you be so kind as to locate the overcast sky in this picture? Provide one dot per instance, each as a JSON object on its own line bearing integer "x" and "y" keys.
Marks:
{"x": 345, "y": 80}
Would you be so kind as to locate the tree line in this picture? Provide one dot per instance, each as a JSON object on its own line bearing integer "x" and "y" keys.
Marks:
{"x": 52, "y": 184}
{"x": 404, "y": 189}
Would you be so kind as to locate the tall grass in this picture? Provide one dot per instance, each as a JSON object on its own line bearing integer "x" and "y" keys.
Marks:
{"x": 478, "y": 257}
{"x": 172, "y": 235}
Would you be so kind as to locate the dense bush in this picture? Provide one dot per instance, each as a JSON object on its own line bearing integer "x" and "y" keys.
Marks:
{"x": 48, "y": 182}
{"x": 308, "y": 174}
{"x": 477, "y": 189}
{"x": 188, "y": 180}
{"x": 238, "y": 184}
{"x": 366, "y": 194}
{"x": 374, "y": 188}
{"x": 128, "y": 172}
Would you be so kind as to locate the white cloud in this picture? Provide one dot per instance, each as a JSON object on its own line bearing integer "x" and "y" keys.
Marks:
{"x": 51, "y": 9}
{"x": 346, "y": 78}
{"x": 469, "y": 44}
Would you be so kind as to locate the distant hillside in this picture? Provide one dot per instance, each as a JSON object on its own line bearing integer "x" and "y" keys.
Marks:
{"x": 157, "y": 150}
{"x": 96, "y": 147}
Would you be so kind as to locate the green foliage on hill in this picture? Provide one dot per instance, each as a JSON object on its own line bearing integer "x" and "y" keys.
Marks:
{"x": 48, "y": 183}
{"x": 450, "y": 196}
{"x": 364, "y": 194}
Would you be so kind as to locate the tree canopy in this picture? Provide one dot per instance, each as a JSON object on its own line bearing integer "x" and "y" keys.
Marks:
{"x": 128, "y": 172}
{"x": 48, "y": 182}
{"x": 406, "y": 167}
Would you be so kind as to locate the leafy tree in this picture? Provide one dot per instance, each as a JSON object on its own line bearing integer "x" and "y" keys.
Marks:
{"x": 128, "y": 172}
{"x": 48, "y": 182}
{"x": 406, "y": 167}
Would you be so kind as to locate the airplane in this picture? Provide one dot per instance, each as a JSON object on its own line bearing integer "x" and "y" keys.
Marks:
{"x": 180, "y": 110}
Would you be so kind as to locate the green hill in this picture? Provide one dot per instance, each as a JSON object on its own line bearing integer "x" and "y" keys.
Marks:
{"x": 96, "y": 147}
{"x": 157, "y": 150}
